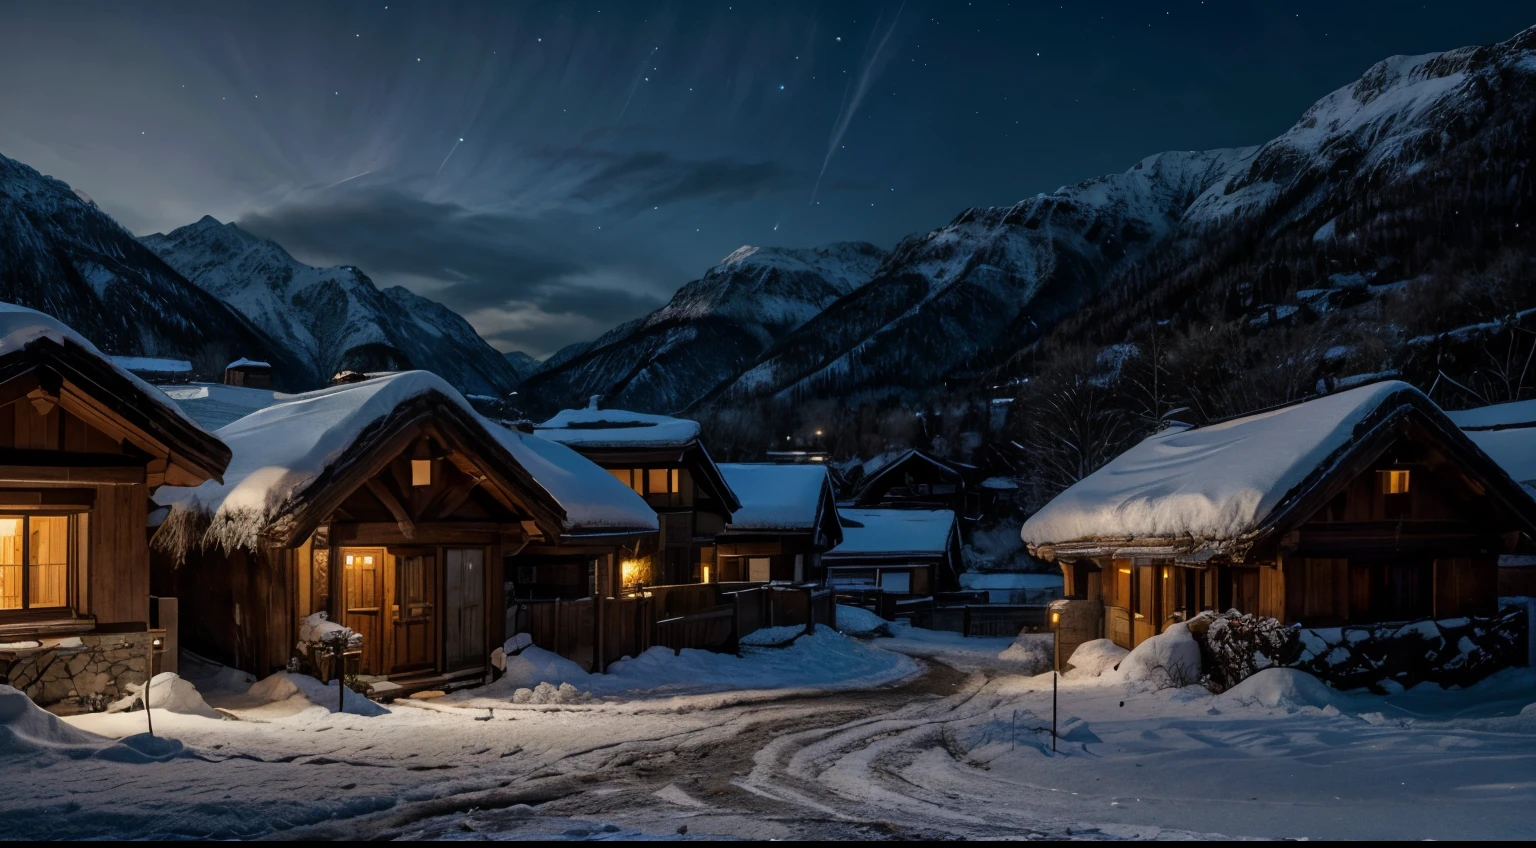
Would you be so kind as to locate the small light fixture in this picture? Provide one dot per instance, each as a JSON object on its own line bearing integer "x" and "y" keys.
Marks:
{"x": 1055, "y": 618}
{"x": 158, "y": 642}
{"x": 704, "y": 569}
{"x": 1125, "y": 571}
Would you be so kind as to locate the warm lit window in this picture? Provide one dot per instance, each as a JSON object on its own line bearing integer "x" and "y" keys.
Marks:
{"x": 1394, "y": 482}
{"x": 35, "y": 555}
{"x": 677, "y": 480}
{"x": 421, "y": 472}
{"x": 656, "y": 481}
{"x": 622, "y": 474}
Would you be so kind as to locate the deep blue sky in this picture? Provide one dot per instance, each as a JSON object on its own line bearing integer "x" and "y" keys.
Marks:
{"x": 614, "y": 150}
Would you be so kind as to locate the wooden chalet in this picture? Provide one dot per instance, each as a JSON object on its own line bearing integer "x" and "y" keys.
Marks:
{"x": 918, "y": 480}
{"x": 83, "y": 445}
{"x": 900, "y": 551}
{"x": 787, "y": 520}
{"x": 1365, "y": 506}
{"x": 661, "y": 459}
{"x": 249, "y": 373}
{"x": 394, "y": 508}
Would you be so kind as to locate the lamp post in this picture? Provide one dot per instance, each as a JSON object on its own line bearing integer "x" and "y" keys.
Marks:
{"x": 1055, "y": 670}
{"x": 155, "y": 645}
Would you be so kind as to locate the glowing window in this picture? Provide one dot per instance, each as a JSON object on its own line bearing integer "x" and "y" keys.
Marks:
{"x": 656, "y": 481}
{"x": 622, "y": 474}
{"x": 35, "y": 557}
{"x": 421, "y": 472}
{"x": 1394, "y": 482}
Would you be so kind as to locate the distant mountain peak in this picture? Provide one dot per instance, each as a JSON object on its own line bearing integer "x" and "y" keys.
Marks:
{"x": 334, "y": 318}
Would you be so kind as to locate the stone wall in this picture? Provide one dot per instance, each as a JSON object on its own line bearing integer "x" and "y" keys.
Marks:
{"x": 88, "y": 670}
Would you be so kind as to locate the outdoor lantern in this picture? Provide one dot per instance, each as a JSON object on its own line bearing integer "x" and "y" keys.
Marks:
{"x": 1055, "y": 617}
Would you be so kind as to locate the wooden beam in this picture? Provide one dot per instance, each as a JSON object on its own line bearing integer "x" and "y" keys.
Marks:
{"x": 43, "y": 401}
{"x": 450, "y": 498}
{"x": 391, "y": 503}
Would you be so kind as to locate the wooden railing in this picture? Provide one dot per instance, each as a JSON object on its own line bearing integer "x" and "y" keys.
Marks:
{"x": 697, "y": 615}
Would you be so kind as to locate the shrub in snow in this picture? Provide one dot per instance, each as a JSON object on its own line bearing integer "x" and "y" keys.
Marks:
{"x": 1035, "y": 651}
{"x": 1169, "y": 660}
{"x": 860, "y": 622}
{"x": 546, "y": 693}
{"x": 1094, "y": 658}
{"x": 1234, "y": 646}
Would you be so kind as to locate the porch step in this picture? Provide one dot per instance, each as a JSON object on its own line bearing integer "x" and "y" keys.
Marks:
{"x": 410, "y": 684}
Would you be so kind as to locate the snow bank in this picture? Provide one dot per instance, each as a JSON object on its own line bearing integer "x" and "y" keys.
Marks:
{"x": 1282, "y": 688}
{"x": 1095, "y": 658}
{"x": 773, "y": 637}
{"x": 1036, "y": 651}
{"x": 26, "y": 728}
{"x": 776, "y": 497}
{"x": 282, "y": 686}
{"x": 857, "y": 621}
{"x": 823, "y": 660}
{"x": 1210, "y": 483}
{"x": 893, "y": 531}
{"x": 1169, "y": 660}
{"x": 168, "y": 691}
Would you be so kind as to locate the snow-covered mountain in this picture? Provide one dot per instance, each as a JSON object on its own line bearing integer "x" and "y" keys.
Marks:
{"x": 955, "y": 303}
{"x": 522, "y": 364}
{"x": 709, "y": 332}
{"x": 333, "y": 318}
{"x": 62, "y": 255}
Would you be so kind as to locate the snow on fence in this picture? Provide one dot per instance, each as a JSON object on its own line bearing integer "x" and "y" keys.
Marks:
{"x": 698, "y": 615}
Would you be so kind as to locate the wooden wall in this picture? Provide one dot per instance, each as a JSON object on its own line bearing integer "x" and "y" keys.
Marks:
{"x": 1466, "y": 586}
{"x": 119, "y": 556}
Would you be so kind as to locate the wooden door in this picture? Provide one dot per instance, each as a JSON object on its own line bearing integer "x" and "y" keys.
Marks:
{"x": 413, "y": 613}
{"x": 464, "y": 611}
{"x": 363, "y": 602}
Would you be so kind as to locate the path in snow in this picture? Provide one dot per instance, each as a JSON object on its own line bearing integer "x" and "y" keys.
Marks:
{"x": 953, "y": 752}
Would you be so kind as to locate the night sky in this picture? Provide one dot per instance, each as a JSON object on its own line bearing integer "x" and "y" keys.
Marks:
{"x": 551, "y": 169}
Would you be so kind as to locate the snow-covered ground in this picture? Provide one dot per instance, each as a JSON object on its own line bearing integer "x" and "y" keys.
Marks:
{"x": 830, "y": 737}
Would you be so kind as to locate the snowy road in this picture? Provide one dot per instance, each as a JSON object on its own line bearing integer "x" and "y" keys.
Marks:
{"x": 956, "y": 751}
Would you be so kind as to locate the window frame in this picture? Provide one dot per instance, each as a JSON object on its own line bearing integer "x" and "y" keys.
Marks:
{"x": 72, "y": 559}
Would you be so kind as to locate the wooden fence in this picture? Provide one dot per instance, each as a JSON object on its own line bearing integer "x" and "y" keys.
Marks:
{"x": 707, "y": 616}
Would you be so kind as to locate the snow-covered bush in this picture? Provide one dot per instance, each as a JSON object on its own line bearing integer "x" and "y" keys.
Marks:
{"x": 1094, "y": 658}
{"x": 860, "y": 622}
{"x": 1035, "y": 651}
{"x": 1169, "y": 660}
{"x": 1234, "y": 646}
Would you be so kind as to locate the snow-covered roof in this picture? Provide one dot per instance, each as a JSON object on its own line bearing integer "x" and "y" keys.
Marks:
{"x": 594, "y": 500}
{"x": 894, "y": 531}
{"x": 242, "y": 362}
{"x": 1210, "y": 484}
{"x": 776, "y": 496}
{"x": 282, "y": 449}
{"x": 215, "y": 405}
{"x": 1498, "y": 415}
{"x": 153, "y": 364}
{"x": 1507, "y": 433}
{"x": 618, "y": 428}
{"x": 20, "y": 327}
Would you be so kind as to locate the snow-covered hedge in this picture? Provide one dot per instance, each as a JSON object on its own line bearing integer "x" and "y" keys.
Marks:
{"x": 1381, "y": 657}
